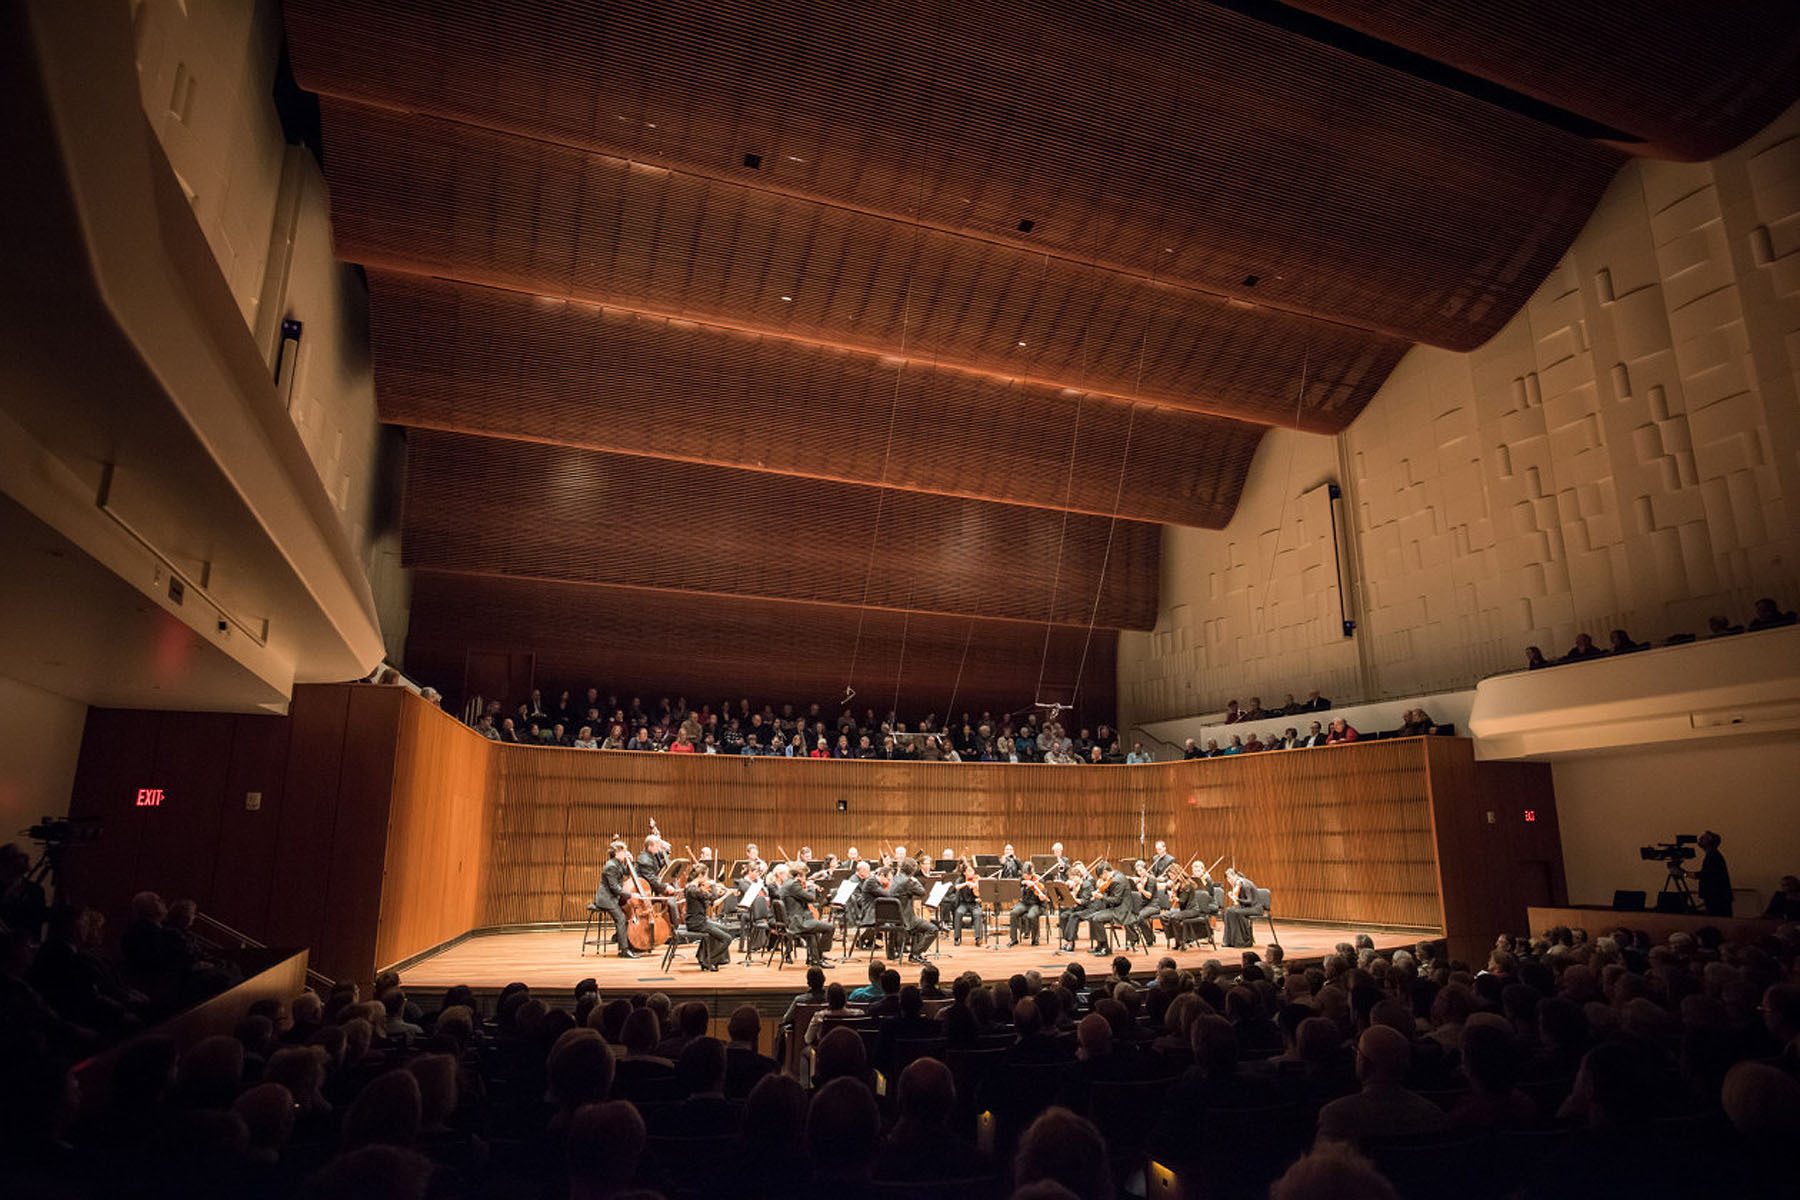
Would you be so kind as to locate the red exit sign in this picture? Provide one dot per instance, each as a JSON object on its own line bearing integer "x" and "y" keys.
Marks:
{"x": 149, "y": 797}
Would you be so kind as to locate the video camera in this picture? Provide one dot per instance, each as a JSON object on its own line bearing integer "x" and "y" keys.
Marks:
{"x": 1679, "y": 850}
{"x": 57, "y": 832}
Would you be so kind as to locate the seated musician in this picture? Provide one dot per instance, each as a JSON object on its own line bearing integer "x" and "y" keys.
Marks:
{"x": 1162, "y": 860}
{"x": 615, "y": 887}
{"x": 872, "y": 886}
{"x": 701, "y": 892}
{"x": 650, "y": 864}
{"x": 1153, "y": 901}
{"x": 921, "y": 931}
{"x": 1010, "y": 867}
{"x": 1191, "y": 919}
{"x": 1111, "y": 905}
{"x": 753, "y": 922}
{"x": 1070, "y": 919}
{"x": 1242, "y": 891}
{"x": 1032, "y": 901}
{"x": 1060, "y": 868}
{"x": 801, "y": 901}
{"x": 964, "y": 900}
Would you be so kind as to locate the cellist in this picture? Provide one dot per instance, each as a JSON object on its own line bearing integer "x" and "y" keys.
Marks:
{"x": 615, "y": 887}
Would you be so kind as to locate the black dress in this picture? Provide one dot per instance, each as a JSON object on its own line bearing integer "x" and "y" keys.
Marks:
{"x": 1237, "y": 926}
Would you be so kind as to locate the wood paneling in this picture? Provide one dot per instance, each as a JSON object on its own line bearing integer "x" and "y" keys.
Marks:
{"x": 513, "y": 508}
{"x": 1692, "y": 80}
{"x": 437, "y": 834}
{"x": 652, "y": 644}
{"x": 501, "y": 363}
{"x": 1187, "y": 142}
{"x": 1338, "y": 835}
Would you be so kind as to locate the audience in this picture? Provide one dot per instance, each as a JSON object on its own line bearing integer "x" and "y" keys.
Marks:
{"x": 1768, "y": 615}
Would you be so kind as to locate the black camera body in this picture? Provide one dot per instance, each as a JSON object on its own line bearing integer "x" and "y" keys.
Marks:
{"x": 1677, "y": 851}
{"x": 57, "y": 832}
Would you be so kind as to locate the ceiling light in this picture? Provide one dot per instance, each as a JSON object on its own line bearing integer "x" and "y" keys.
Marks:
{"x": 789, "y": 299}
{"x": 795, "y": 158}
{"x": 1021, "y": 343}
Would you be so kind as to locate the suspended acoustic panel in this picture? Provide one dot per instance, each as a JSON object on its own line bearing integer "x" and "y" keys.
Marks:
{"x": 1691, "y": 80}
{"x": 487, "y": 361}
{"x": 635, "y": 642}
{"x": 1178, "y": 141}
{"x": 433, "y": 197}
{"x": 488, "y": 506}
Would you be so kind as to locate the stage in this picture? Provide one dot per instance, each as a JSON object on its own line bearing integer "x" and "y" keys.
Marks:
{"x": 549, "y": 960}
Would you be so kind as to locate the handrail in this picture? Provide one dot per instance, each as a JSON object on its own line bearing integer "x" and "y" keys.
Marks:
{"x": 245, "y": 941}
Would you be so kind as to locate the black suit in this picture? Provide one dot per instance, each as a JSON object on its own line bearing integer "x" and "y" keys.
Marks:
{"x": 1056, "y": 870}
{"x": 715, "y": 939}
{"x": 1011, "y": 867}
{"x": 964, "y": 898}
{"x": 1084, "y": 908}
{"x": 1111, "y": 907}
{"x": 1025, "y": 914}
{"x": 1192, "y": 916}
{"x": 800, "y": 922}
{"x": 650, "y": 868}
{"x": 615, "y": 885}
{"x": 920, "y": 932}
{"x": 1161, "y": 863}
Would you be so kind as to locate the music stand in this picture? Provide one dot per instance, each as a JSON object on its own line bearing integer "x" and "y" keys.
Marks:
{"x": 1001, "y": 895}
{"x": 1061, "y": 894}
{"x": 674, "y": 868}
{"x": 1042, "y": 862}
{"x": 986, "y": 863}
{"x": 935, "y": 897}
{"x": 845, "y": 890}
{"x": 737, "y": 868}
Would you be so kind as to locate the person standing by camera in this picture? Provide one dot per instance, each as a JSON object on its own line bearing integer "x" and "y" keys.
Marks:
{"x": 1714, "y": 877}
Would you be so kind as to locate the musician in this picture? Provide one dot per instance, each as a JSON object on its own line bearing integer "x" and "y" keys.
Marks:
{"x": 715, "y": 940}
{"x": 800, "y": 900}
{"x": 1162, "y": 860}
{"x": 1242, "y": 891}
{"x": 1032, "y": 900}
{"x": 1111, "y": 906}
{"x": 921, "y": 931}
{"x": 615, "y": 888}
{"x": 1058, "y": 869}
{"x": 806, "y": 855}
{"x": 1082, "y": 884}
{"x": 1194, "y": 909}
{"x": 650, "y": 864}
{"x": 831, "y": 864}
{"x": 753, "y": 859}
{"x": 964, "y": 898}
{"x": 875, "y": 884}
{"x": 753, "y": 924}
{"x": 1153, "y": 901}
{"x": 1010, "y": 867}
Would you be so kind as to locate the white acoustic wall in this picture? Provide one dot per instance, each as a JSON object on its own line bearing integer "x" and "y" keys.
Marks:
{"x": 1626, "y": 452}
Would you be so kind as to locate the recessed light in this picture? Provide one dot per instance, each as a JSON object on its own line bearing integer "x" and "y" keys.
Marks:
{"x": 1027, "y": 225}
{"x": 789, "y": 299}
{"x": 795, "y": 158}
{"x": 649, "y": 124}
{"x": 1021, "y": 343}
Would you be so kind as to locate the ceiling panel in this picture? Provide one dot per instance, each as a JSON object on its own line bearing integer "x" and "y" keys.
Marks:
{"x": 427, "y": 196}
{"x": 517, "y": 508}
{"x": 1691, "y": 80}
{"x": 1178, "y": 141}
{"x": 711, "y": 648}
{"x": 508, "y": 364}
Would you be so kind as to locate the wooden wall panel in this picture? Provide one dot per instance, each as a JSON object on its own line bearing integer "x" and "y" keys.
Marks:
{"x": 359, "y": 832}
{"x": 1339, "y": 835}
{"x": 487, "y": 506}
{"x": 437, "y": 836}
{"x": 306, "y": 819}
{"x": 245, "y": 856}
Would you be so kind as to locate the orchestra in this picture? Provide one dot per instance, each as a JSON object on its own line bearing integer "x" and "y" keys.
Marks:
{"x": 811, "y": 899}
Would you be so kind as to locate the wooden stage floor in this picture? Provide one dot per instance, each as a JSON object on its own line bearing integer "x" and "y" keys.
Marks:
{"x": 549, "y": 960}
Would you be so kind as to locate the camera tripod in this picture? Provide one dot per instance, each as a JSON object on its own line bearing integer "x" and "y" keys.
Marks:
{"x": 1676, "y": 883}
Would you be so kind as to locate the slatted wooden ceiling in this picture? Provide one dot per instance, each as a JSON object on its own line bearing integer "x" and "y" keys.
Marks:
{"x": 996, "y": 264}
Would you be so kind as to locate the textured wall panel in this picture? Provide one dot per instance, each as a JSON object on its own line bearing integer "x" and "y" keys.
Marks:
{"x": 1693, "y": 80}
{"x": 1176, "y": 140}
{"x": 434, "y": 197}
{"x": 517, "y": 508}
{"x": 506, "y": 364}
{"x": 1625, "y": 453}
{"x": 709, "y": 649}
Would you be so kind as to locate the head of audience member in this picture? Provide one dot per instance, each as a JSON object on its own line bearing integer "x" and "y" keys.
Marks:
{"x": 843, "y": 1129}
{"x": 579, "y": 1070}
{"x": 700, "y": 1069}
{"x": 640, "y": 1032}
{"x": 840, "y": 1055}
{"x": 1063, "y": 1148}
{"x": 1333, "y": 1171}
{"x": 774, "y": 1120}
{"x": 1383, "y": 1056}
{"x": 1093, "y": 1037}
{"x": 387, "y": 1112}
{"x": 602, "y": 1149}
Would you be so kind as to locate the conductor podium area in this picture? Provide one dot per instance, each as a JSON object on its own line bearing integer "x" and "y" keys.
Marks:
{"x": 375, "y": 830}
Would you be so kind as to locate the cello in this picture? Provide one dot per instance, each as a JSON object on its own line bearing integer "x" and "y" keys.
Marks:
{"x": 646, "y": 922}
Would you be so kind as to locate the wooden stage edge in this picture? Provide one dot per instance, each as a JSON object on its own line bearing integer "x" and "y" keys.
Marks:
{"x": 549, "y": 960}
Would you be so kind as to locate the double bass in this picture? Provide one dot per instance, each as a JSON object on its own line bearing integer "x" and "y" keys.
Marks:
{"x": 646, "y": 922}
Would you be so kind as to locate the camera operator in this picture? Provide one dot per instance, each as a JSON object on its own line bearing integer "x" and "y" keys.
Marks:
{"x": 1714, "y": 877}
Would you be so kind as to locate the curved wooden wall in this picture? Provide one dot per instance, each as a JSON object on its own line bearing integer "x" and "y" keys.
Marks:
{"x": 1339, "y": 834}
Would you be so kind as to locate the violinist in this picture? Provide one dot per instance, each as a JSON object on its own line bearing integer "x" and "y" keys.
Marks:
{"x": 701, "y": 892}
{"x": 1194, "y": 908}
{"x": 1010, "y": 867}
{"x": 650, "y": 864}
{"x": 753, "y": 859}
{"x": 1111, "y": 905}
{"x": 963, "y": 899}
{"x": 1242, "y": 890}
{"x": 753, "y": 925}
{"x": 1033, "y": 899}
{"x": 874, "y": 884}
{"x": 801, "y": 900}
{"x": 1060, "y": 868}
{"x": 806, "y": 855}
{"x": 1082, "y": 884}
{"x": 1153, "y": 901}
{"x": 921, "y": 931}
{"x": 1162, "y": 860}
{"x": 615, "y": 887}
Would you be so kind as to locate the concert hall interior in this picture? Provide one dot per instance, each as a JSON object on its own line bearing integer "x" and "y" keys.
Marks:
{"x": 1244, "y": 551}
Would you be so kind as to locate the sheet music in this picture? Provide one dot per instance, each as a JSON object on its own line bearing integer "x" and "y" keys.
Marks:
{"x": 750, "y": 894}
{"x": 844, "y": 892}
{"x": 937, "y": 893}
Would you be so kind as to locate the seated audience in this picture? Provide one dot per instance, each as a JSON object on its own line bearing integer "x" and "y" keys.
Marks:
{"x": 1384, "y": 1107}
{"x": 1584, "y": 648}
{"x": 1769, "y": 615}
{"x": 1341, "y": 731}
